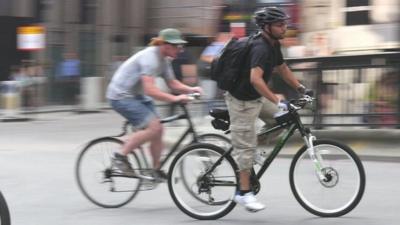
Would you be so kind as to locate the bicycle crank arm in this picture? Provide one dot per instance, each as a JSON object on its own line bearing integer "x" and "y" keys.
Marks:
{"x": 222, "y": 183}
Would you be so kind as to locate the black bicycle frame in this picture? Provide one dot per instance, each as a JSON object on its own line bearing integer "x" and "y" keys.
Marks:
{"x": 188, "y": 131}
{"x": 278, "y": 147}
{"x": 292, "y": 125}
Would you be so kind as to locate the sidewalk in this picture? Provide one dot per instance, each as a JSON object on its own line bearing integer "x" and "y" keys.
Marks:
{"x": 368, "y": 142}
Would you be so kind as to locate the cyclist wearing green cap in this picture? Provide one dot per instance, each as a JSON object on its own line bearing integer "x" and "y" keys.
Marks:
{"x": 133, "y": 88}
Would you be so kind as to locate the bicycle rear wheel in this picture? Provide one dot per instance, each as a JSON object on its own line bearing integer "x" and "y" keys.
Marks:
{"x": 210, "y": 138}
{"x": 344, "y": 179}
{"x": 211, "y": 190}
{"x": 4, "y": 212}
{"x": 216, "y": 139}
{"x": 97, "y": 178}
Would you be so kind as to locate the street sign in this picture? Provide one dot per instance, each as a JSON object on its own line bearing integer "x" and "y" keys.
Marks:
{"x": 30, "y": 38}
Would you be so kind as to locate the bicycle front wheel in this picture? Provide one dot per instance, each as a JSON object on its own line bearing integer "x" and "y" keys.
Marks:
{"x": 4, "y": 212}
{"x": 97, "y": 178}
{"x": 203, "y": 183}
{"x": 341, "y": 186}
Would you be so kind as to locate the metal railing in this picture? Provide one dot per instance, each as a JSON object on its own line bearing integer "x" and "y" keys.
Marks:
{"x": 353, "y": 90}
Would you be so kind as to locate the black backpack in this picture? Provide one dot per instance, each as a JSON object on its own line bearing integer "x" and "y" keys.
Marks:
{"x": 228, "y": 66}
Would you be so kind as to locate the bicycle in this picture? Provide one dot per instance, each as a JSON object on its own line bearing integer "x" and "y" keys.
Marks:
{"x": 104, "y": 185}
{"x": 4, "y": 211}
{"x": 326, "y": 177}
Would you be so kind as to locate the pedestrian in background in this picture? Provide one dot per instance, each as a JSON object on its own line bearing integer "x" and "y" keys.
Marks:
{"x": 68, "y": 79}
{"x": 185, "y": 71}
{"x": 210, "y": 52}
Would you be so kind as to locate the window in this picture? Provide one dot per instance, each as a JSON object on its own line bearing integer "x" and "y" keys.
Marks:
{"x": 40, "y": 10}
{"x": 357, "y": 12}
{"x": 88, "y": 11}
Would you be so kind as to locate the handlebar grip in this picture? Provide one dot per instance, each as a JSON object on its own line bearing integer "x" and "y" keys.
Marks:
{"x": 194, "y": 96}
{"x": 191, "y": 98}
{"x": 309, "y": 92}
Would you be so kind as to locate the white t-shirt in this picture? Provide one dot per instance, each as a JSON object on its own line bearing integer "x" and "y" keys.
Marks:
{"x": 126, "y": 81}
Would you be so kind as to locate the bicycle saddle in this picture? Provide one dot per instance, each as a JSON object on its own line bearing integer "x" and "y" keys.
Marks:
{"x": 221, "y": 114}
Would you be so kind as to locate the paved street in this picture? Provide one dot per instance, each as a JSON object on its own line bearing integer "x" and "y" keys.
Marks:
{"x": 37, "y": 177}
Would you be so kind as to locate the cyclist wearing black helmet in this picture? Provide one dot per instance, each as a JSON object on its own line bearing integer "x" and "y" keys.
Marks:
{"x": 252, "y": 98}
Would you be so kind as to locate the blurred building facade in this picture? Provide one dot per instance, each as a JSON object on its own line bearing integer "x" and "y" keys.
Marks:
{"x": 366, "y": 86}
{"x": 352, "y": 26}
{"x": 98, "y": 30}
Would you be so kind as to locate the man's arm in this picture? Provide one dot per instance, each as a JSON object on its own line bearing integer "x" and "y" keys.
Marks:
{"x": 256, "y": 79}
{"x": 150, "y": 88}
{"x": 288, "y": 77}
{"x": 207, "y": 58}
{"x": 178, "y": 86}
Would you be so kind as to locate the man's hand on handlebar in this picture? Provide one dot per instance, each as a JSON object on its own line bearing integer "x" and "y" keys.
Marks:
{"x": 309, "y": 92}
{"x": 305, "y": 91}
{"x": 196, "y": 90}
{"x": 182, "y": 98}
{"x": 185, "y": 98}
{"x": 303, "y": 102}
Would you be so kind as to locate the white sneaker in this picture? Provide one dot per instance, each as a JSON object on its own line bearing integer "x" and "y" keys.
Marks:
{"x": 249, "y": 202}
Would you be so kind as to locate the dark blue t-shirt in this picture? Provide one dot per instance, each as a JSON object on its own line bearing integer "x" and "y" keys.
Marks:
{"x": 262, "y": 54}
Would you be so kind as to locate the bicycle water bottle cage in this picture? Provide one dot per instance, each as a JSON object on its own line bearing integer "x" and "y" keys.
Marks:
{"x": 221, "y": 119}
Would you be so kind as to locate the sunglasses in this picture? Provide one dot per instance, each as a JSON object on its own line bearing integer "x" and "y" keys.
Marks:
{"x": 180, "y": 46}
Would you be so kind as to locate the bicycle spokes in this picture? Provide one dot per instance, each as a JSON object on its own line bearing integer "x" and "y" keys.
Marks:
{"x": 200, "y": 185}
{"x": 332, "y": 189}
{"x": 99, "y": 181}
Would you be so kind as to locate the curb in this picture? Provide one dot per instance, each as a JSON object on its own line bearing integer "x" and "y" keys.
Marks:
{"x": 392, "y": 135}
{"x": 15, "y": 119}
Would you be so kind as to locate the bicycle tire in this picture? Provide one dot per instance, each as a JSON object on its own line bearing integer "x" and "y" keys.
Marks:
{"x": 226, "y": 182}
{"x": 339, "y": 163}
{"x": 216, "y": 139}
{"x": 121, "y": 190}
{"x": 4, "y": 211}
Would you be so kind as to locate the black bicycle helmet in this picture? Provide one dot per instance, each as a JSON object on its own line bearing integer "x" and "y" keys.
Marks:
{"x": 269, "y": 15}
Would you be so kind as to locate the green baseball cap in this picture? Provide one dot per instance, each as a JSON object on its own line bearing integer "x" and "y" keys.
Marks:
{"x": 172, "y": 36}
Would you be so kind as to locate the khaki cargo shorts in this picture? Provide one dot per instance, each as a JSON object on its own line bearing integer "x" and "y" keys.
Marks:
{"x": 243, "y": 116}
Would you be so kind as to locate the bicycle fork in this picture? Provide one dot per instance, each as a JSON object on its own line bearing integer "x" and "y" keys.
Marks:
{"x": 316, "y": 158}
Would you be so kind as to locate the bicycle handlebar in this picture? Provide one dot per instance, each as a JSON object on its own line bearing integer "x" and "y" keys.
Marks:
{"x": 297, "y": 104}
{"x": 191, "y": 96}
{"x": 194, "y": 96}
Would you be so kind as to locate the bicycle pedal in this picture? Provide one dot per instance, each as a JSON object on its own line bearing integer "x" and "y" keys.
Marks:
{"x": 148, "y": 186}
{"x": 253, "y": 210}
{"x": 147, "y": 178}
{"x": 106, "y": 181}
